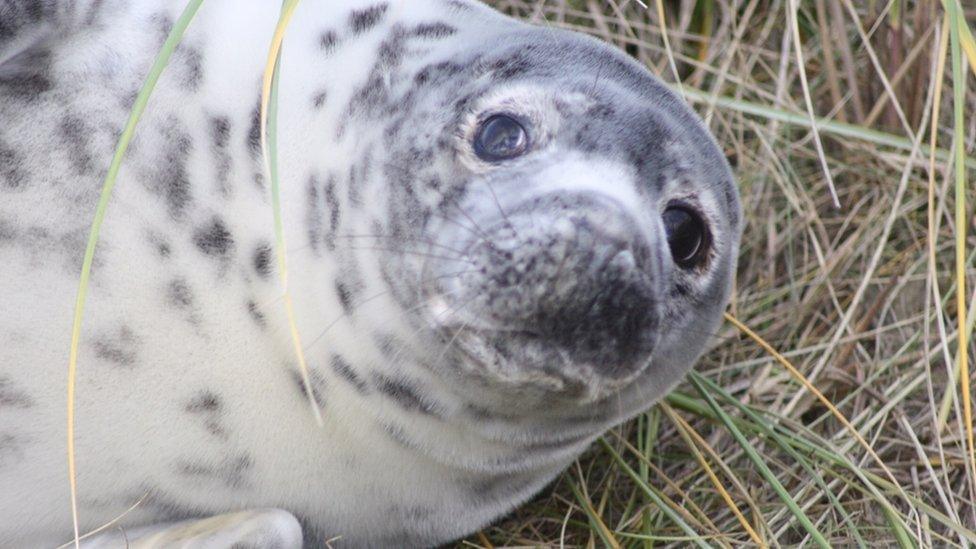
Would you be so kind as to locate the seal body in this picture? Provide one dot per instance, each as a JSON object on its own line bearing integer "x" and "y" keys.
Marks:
{"x": 483, "y": 222}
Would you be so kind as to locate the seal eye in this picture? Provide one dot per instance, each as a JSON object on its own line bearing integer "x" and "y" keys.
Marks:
{"x": 686, "y": 235}
{"x": 500, "y": 137}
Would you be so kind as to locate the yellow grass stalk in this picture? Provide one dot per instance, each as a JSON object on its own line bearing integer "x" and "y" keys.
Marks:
{"x": 820, "y": 396}
{"x": 959, "y": 76}
{"x": 692, "y": 440}
{"x": 798, "y": 49}
{"x": 270, "y": 153}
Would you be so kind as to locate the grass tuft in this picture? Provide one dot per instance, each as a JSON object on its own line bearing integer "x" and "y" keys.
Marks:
{"x": 834, "y": 408}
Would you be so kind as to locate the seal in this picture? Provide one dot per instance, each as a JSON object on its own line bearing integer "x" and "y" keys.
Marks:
{"x": 501, "y": 240}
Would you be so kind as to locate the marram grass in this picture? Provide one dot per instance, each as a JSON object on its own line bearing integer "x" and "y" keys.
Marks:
{"x": 269, "y": 150}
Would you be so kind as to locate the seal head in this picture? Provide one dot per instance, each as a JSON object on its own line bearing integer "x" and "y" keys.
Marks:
{"x": 582, "y": 232}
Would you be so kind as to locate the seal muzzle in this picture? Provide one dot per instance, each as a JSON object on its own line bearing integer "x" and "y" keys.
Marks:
{"x": 566, "y": 278}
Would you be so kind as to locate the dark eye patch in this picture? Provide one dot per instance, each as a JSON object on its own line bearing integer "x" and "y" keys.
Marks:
{"x": 687, "y": 235}
{"x": 500, "y": 137}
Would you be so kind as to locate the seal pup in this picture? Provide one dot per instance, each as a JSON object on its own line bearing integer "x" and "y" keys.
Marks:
{"x": 502, "y": 240}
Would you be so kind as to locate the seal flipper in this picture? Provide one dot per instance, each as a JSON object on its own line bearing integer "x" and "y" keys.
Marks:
{"x": 256, "y": 528}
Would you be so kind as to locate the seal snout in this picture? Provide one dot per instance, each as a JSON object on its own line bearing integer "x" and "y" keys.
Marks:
{"x": 566, "y": 280}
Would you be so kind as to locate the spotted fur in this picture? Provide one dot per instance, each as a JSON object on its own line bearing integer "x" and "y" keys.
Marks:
{"x": 469, "y": 326}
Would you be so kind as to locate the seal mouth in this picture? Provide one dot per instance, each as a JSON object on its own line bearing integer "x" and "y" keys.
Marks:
{"x": 502, "y": 354}
{"x": 524, "y": 357}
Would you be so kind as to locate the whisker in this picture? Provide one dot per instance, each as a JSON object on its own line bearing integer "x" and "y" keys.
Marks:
{"x": 469, "y": 218}
{"x": 498, "y": 204}
{"x": 453, "y": 310}
{"x": 412, "y": 252}
{"x": 458, "y": 223}
{"x": 404, "y": 239}
{"x": 481, "y": 237}
{"x": 362, "y": 302}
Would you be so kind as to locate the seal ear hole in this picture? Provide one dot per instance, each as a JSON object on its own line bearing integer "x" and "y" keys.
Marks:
{"x": 500, "y": 137}
{"x": 688, "y": 236}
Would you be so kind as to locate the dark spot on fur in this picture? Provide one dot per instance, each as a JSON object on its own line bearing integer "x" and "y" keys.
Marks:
{"x": 192, "y": 68}
{"x": 457, "y": 6}
{"x": 231, "y": 472}
{"x": 319, "y": 99}
{"x": 214, "y": 239}
{"x": 313, "y": 215}
{"x": 435, "y": 30}
{"x": 12, "y": 448}
{"x": 405, "y": 394}
{"x": 681, "y": 289}
{"x": 26, "y": 76}
{"x": 361, "y": 21}
{"x": 262, "y": 260}
{"x": 220, "y": 138}
{"x": 328, "y": 41}
{"x": 11, "y": 397}
{"x": 510, "y": 67}
{"x": 437, "y": 72}
{"x": 118, "y": 349}
{"x": 209, "y": 406}
{"x": 160, "y": 244}
{"x": 332, "y": 202}
{"x": 204, "y": 402}
{"x": 345, "y": 371}
{"x": 316, "y": 384}
{"x": 94, "y": 11}
{"x": 345, "y": 296}
{"x": 20, "y": 15}
{"x": 163, "y": 24}
{"x": 75, "y": 136}
{"x": 179, "y": 294}
{"x": 12, "y": 174}
{"x": 254, "y": 131}
{"x": 501, "y": 487}
{"x": 358, "y": 177}
{"x": 171, "y": 179}
{"x": 256, "y": 315}
{"x": 388, "y": 344}
{"x": 220, "y": 131}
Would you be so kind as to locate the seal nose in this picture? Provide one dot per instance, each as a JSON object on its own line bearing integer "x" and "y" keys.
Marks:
{"x": 578, "y": 276}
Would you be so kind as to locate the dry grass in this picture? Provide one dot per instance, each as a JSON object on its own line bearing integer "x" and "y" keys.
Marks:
{"x": 865, "y": 300}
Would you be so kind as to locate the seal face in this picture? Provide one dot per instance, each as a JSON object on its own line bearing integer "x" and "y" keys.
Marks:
{"x": 502, "y": 240}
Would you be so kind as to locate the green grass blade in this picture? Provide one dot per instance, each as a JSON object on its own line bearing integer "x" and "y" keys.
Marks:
{"x": 597, "y": 524}
{"x": 653, "y": 495}
{"x": 825, "y": 126}
{"x": 761, "y": 466}
{"x": 162, "y": 58}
